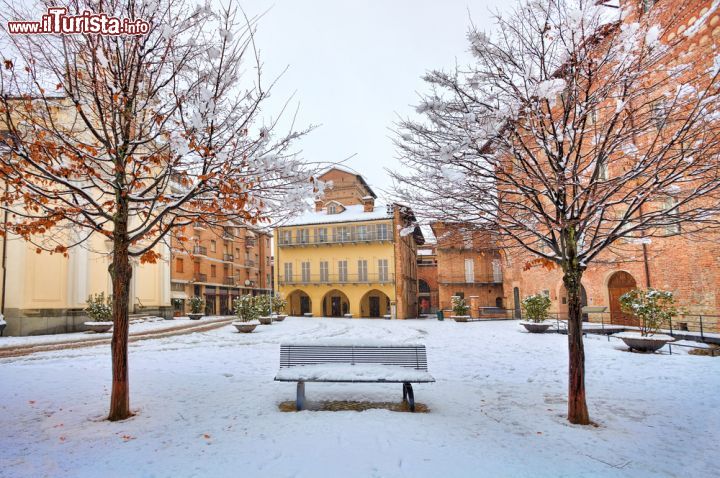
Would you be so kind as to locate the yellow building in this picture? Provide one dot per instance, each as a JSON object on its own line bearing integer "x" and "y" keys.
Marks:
{"x": 46, "y": 294}
{"x": 350, "y": 256}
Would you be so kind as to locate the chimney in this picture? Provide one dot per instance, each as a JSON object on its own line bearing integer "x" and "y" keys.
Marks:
{"x": 368, "y": 204}
{"x": 318, "y": 205}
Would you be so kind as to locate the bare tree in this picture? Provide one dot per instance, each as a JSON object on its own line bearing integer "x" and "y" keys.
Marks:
{"x": 135, "y": 136}
{"x": 577, "y": 126}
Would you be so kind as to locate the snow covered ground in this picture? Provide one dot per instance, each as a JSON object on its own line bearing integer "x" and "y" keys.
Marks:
{"x": 207, "y": 405}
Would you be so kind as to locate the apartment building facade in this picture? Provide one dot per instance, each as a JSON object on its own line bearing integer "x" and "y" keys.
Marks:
{"x": 350, "y": 256}
{"x": 219, "y": 264}
{"x": 469, "y": 266}
{"x": 428, "y": 292}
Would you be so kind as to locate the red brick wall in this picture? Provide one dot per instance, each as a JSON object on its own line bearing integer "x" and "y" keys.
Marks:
{"x": 429, "y": 274}
{"x": 687, "y": 266}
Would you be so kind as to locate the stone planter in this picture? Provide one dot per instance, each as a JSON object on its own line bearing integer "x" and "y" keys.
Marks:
{"x": 279, "y": 317}
{"x": 536, "y": 327}
{"x": 245, "y": 327}
{"x": 98, "y": 327}
{"x": 265, "y": 320}
{"x": 649, "y": 344}
{"x": 460, "y": 318}
{"x": 195, "y": 316}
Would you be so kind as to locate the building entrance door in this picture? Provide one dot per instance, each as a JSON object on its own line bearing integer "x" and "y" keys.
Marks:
{"x": 304, "y": 305}
{"x": 619, "y": 283}
{"x": 335, "y": 307}
{"x": 374, "y": 303}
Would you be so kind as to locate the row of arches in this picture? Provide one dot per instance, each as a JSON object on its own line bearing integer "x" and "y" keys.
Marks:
{"x": 335, "y": 303}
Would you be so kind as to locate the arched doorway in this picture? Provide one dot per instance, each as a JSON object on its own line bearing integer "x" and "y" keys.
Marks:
{"x": 424, "y": 298}
{"x": 335, "y": 304}
{"x": 619, "y": 283}
{"x": 563, "y": 299}
{"x": 375, "y": 303}
{"x": 299, "y": 303}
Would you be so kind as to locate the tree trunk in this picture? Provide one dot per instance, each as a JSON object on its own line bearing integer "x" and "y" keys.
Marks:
{"x": 577, "y": 406}
{"x": 121, "y": 272}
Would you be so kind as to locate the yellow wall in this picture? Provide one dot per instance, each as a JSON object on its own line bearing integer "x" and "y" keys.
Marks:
{"x": 42, "y": 286}
{"x": 356, "y": 294}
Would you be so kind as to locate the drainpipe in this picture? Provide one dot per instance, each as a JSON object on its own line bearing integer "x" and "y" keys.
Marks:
{"x": 4, "y": 263}
{"x": 646, "y": 263}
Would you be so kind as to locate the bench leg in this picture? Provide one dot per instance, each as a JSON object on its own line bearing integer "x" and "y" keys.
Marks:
{"x": 408, "y": 395}
{"x": 300, "y": 400}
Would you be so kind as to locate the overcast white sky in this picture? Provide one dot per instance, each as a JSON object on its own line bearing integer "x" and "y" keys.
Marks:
{"x": 354, "y": 66}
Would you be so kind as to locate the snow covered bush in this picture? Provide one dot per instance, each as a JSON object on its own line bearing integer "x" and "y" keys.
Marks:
{"x": 536, "y": 307}
{"x": 459, "y": 306}
{"x": 264, "y": 304}
{"x": 99, "y": 307}
{"x": 246, "y": 308}
{"x": 278, "y": 304}
{"x": 652, "y": 306}
{"x": 196, "y": 304}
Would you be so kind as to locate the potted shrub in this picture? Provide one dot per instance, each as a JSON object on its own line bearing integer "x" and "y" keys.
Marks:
{"x": 177, "y": 309}
{"x": 265, "y": 308}
{"x": 278, "y": 305}
{"x": 196, "y": 307}
{"x": 460, "y": 309}
{"x": 3, "y": 324}
{"x": 654, "y": 308}
{"x": 99, "y": 309}
{"x": 247, "y": 312}
{"x": 536, "y": 311}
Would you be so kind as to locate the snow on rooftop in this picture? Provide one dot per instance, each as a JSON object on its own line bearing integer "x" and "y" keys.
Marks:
{"x": 352, "y": 213}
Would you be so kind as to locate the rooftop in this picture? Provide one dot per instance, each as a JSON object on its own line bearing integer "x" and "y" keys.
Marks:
{"x": 351, "y": 213}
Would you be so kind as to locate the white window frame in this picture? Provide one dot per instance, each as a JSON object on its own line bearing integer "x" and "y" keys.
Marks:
{"x": 288, "y": 272}
{"x": 362, "y": 270}
{"x": 303, "y": 236}
{"x": 383, "y": 270}
{"x": 324, "y": 271}
{"x": 469, "y": 271}
{"x": 342, "y": 271}
{"x": 305, "y": 270}
{"x": 382, "y": 232}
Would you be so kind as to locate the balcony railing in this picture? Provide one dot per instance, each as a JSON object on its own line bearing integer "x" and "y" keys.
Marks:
{"x": 477, "y": 279}
{"x": 348, "y": 237}
{"x": 229, "y": 281}
{"x": 198, "y": 277}
{"x": 200, "y": 250}
{"x": 337, "y": 279}
{"x": 249, "y": 263}
{"x": 250, "y": 242}
{"x": 228, "y": 257}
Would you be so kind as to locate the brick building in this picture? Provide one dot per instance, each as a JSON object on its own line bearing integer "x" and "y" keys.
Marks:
{"x": 469, "y": 266}
{"x": 427, "y": 267}
{"x": 219, "y": 264}
{"x": 689, "y": 266}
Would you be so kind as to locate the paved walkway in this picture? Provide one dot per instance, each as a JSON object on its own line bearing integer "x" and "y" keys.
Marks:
{"x": 91, "y": 339}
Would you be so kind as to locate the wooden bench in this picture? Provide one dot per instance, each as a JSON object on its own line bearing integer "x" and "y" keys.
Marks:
{"x": 386, "y": 363}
